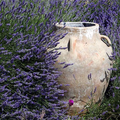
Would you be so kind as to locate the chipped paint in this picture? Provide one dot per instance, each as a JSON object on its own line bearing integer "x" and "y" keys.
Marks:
{"x": 91, "y": 62}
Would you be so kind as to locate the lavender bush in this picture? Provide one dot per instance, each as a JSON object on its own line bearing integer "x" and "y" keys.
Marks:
{"x": 27, "y": 77}
{"x": 28, "y": 83}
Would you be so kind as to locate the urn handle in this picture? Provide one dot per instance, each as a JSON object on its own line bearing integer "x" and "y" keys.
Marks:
{"x": 107, "y": 41}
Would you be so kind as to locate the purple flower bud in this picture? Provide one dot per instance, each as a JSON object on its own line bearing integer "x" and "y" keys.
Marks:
{"x": 8, "y": 24}
{"x": 67, "y": 85}
{"x": 30, "y": 27}
{"x": 35, "y": 29}
{"x": 2, "y": 3}
{"x": 109, "y": 104}
{"x": 89, "y": 77}
{"x": 117, "y": 87}
{"x": 71, "y": 102}
{"x": 81, "y": 111}
{"x": 113, "y": 78}
{"x": 0, "y": 24}
{"x": 89, "y": 97}
{"x": 13, "y": 7}
{"x": 95, "y": 89}
{"x": 2, "y": 48}
{"x": 104, "y": 112}
{"x": 66, "y": 65}
{"x": 31, "y": 5}
{"x": 113, "y": 94}
{"x": 113, "y": 110}
{"x": 117, "y": 107}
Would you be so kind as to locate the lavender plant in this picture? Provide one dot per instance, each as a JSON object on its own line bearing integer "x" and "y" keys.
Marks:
{"x": 27, "y": 77}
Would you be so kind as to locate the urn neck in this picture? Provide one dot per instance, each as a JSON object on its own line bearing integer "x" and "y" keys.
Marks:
{"x": 79, "y": 29}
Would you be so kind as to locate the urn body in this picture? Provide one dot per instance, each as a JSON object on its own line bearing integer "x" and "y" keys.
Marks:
{"x": 88, "y": 75}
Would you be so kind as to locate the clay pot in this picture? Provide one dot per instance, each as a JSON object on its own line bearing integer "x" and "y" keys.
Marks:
{"x": 89, "y": 76}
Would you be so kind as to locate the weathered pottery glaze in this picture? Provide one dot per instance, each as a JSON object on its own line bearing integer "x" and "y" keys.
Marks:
{"x": 90, "y": 57}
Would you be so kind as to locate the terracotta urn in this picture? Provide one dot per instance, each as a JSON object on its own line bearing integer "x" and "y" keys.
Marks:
{"x": 89, "y": 55}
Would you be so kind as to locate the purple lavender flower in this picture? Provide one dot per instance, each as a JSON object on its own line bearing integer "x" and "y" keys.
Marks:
{"x": 104, "y": 112}
{"x": 117, "y": 87}
{"x": 117, "y": 107}
{"x": 89, "y": 76}
{"x": 66, "y": 65}
{"x": 95, "y": 89}
{"x": 112, "y": 79}
{"x": 113, "y": 95}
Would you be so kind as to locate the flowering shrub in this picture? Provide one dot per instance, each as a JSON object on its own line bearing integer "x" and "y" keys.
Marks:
{"x": 28, "y": 83}
{"x": 27, "y": 77}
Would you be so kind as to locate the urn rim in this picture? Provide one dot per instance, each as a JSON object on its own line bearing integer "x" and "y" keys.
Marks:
{"x": 77, "y": 25}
